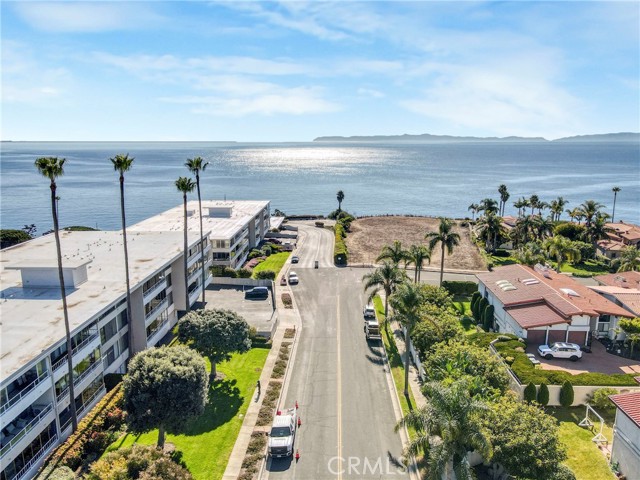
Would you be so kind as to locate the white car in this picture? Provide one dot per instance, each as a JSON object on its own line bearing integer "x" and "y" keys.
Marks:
{"x": 293, "y": 278}
{"x": 560, "y": 350}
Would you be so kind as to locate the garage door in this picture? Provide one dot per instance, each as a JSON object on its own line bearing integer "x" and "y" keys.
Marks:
{"x": 557, "y": 336}
{"x": 577, "y": 337}
{"x": 535, "y": 337}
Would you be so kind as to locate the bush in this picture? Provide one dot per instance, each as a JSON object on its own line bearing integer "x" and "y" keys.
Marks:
{"x": 566, "y": 394}
{"x": 543, "y": 394}
{"x": 600, "y": 398}
{"x": 286, "y": 299}
{"x": 530, "y": 392}
{"x": 460, "y": 288}
{"x": 587, "y": 250}
{"x": 340, "y": 247}
{"x": 228, "y": 272}
{"x": 266, "y": 250}
{"x": 243, "y": 273}
{"x": 254, "y": 253}
{"x": 501, "y": 253}
{"x": 62, "y": 473}
{"x": 474, "y": 299}
{"x": 569, "y": 230}
{"x": 266, "y": 275}
{"x": 10, "y": 237}
{"x": 487, "y": 317}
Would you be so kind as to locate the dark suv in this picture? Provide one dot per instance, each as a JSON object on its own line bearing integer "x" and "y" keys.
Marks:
{"x": 257, "y": 292}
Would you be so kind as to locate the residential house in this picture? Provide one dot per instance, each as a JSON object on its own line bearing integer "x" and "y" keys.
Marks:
{"x": 625, "y": 450}
{"x": 619, "y": 236}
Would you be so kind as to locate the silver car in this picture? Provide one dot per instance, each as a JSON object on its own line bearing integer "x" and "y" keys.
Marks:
{"x": 561, "y": 350}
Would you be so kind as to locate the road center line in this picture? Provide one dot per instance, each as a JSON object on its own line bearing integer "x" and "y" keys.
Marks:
{"x": 339, "y": 390}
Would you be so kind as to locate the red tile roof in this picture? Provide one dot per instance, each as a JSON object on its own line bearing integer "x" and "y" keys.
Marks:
{"x": 611, "y": 245}
{"x": 532, "y": 316}
{"x": 628, "y": 231}
{"x": 629, "y": 403}
{"x": 622, "y": 279}
{"x": 628, "y": 297}
{"x": 548, "y": 287}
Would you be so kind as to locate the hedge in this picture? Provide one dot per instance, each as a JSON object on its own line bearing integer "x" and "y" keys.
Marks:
{"x": 340, "y": 248}
{"x": 543, "y": 394}
{"x": 460, "y": 288}
{"x": 566, "y": 394}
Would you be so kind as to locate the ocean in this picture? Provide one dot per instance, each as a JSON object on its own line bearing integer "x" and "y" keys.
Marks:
{"x": 440, "y": 179}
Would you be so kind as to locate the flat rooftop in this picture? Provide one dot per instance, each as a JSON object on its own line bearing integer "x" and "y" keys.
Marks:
{"x": 222, "y": 228}
{"x": 31, "y": 319}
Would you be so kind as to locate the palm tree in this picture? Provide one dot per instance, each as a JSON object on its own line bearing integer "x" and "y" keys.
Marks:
{"x": 416, "y": 255}
{"x": 530, "y": 254}
{"x": 340, "y": 197}
{"x": 615, "y": 191}
{"x": 52, "y": 168}
{"x": 575, "y": 214}
{"x": 541, "y": 226}
{"x": 589, "y": 210}
{"x": 448, "y": 427}
{"x": 557, "y": 206}
{"x": 185, "y": 185}
{"x": 195, "y": 166}
{"x": 473, "y": 208}
{"x": 446, "y": 237}
{"x": 630, "y": 259}
{"x": 386, "y": 277}
{"x": 489, "y": 229}
{"x": 504, "y": 196}
{"x": 521, "y": 204}
{"x": 406, "y": 302}
{"x": 562, "y": 250}
{"x": 534, "y": 201}
{"x": 393, "y": 252}
{"x": 489, "y": 206}
{"x": 122, "y": 164}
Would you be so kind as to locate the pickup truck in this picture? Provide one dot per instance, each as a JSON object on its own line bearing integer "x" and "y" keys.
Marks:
{"x": 372, "y": 329}
{"x": 283, "y": 434}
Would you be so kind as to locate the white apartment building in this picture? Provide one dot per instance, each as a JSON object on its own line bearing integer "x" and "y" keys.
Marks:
{"x": 235, "y": 226}
{"x": 34, "y": 381}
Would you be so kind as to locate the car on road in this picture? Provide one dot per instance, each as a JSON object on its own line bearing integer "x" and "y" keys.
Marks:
{"x": 369, "y": 311}
{"x": 283, "y": 434}
{"x": 560, "y": 350}
{"x": 257, "y": 292}
{"x": 295, "y": 259}
{"x": 293, "y": 278}
{"x": 372, "y": 329}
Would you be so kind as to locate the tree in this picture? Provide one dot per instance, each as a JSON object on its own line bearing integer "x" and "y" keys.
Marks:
{"x": 447, "y": 238}
{"x": 122, "y": 164}
{"x": 530, "y": 254}
{"x": 393, "y": 252}
{"x": 490, "y": 229}
{"x": 530, "y": 392}
{"x": 340, "y": 198}
{"x": 524, "y": 230}
{"x": 52, "y": 168}
{"x": 489, "y": 206}
{"x": 196, "y": 165}
{"x": 185, "y": 185}
{"x": 525, "y": 439}
{"x": 425, "y": 336}
{"x": 448, "y": 427}
{"x": 566, "y": 394}
{"x": 437, "y": 297}
{"x": 473, "y": 208}
{"x": 589, "y": 210}
{"x": 475, "y": 298}
{"x": 534, "y": 202}
{"x": 562, "y": 250}
{"x": 487, "y": 317}
{"x": 521, "y": 204}
{"x": 543, "y": 394}
{"x": 557, "y": 206}
{"x": 406, "y": 302}
{"x": 597, "y": 228}
{"x": 631, "y": 326}
{"x": 572, "y": 231}
{"x": 215, "y": 334}
{"x": 386, "y": 277}
{"x": 416, "y": 255}
{"x": 542, "y": 227}
{"x": 615, "y": 191}
{"x": 630, "y": 259}
{"x": 575, "y": 214}
{"x": 504, "y": 196}
{"x": 164, "y": 388}
{"x": 10, "y": 237}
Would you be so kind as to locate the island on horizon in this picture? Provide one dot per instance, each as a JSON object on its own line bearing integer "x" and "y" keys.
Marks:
{"x": 427, "y": 137}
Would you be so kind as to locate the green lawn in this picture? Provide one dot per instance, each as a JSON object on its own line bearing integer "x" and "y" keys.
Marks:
{"x": 588, "y": 268}
{"x": 585, "y": 459}
{"x": 272, "y": 262}
{"x": 207, "y": 441}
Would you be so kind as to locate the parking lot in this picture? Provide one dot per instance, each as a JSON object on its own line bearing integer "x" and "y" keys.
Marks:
{"x": 596, "y": 361}
{"x": 259, "y": 313}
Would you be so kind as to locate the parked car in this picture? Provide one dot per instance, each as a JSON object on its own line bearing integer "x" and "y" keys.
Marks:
{"x": 560, "y": 350}
{"x": 295, "y": 259}
{"x": 369, "y": 311}
{"x": 293, "y": 278}
{"x": 257, "y": 292}
{"x": 283, "y": 434}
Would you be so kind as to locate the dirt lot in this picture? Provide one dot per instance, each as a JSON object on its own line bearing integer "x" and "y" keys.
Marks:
{"x": 369, "y": 235}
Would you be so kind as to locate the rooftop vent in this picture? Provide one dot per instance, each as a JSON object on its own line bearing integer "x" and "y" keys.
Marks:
{"x": 530, "y": 281}
{"x": 569, "y": 292}
{"x": 505, "y": 285}
{"x": 43, "y": 273}
{"x": 221, "y": 211}
{"x": 544, "y": 270}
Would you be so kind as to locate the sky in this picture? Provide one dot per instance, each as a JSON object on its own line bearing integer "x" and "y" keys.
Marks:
{"x": 292, "y": 71}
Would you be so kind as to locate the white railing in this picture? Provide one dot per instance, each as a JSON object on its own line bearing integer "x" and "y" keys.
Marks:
{"x": 154, "y": 310}
{"x": 26, "y": 429}
{"x": 13, "y": 400}
{"x": 75, "y": 350}
{"x": 160, "y": 325}
{"x": 83, "y": 407}
{"x": 152, "y": 288}
{"x": 45, "y": 448}
{"x": 79, "y": 378}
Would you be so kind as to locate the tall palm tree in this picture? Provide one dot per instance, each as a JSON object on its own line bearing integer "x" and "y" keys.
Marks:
{"x": 575, "y": 214}
{"x": 630, "y": 259}
{"x": 340, "y": 198}
{"x": 489, "y": 229}
{"x": 386, "y": 277}
{"x": 534, "y": 201}
{"x": 556, "y": 207}
{"x": 504, "y": 196}
{"x": 524, "y": 230}
{"x": 542, "y": 227}
{"x": 122, "y": 164}
{"x": 521, "y": 204}
{"x": 562, "y": 250}
{"x": 406, "y": 302}
{"x": 489, "y": 206}
{"x": 597, "y": 229}
{"x": 589, "y": 209}
{"x": 615, "y": 191}
{"x": 195, "y": 166}
{"x": 185, "y": 185}
{"x": 473, "y": 208}
{"x": 448, "y": 239}
{"x": 530, "y": 254}
{"x": 393, "y": 252}
{"x": 448, "y": 427}
{"x": 416, "y": 255}
{"x": 52, "y": 168}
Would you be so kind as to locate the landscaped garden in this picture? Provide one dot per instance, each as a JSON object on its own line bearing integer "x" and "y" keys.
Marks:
{"x": 273, "y": 262}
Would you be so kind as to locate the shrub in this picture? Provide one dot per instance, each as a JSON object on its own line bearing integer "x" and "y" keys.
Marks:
{"x": 340, "y": 247}
{"x": 243, "y": 273}
{"x": 461, "y": 288}
{"x": 254, "y": 253}
{"x": 543, "y": 394}
{"x": 569, "y": 230}
{"x": 487, "y": 317}
{"x": 600, "y": 398}
{"x": 228, "y": 272}
{"x": 10, "y": 237}
{"x": 266, "y": 275}
{"x": 266, "y": 250}
{"x": 62, "y": 473}
{"x": 530, "y": 392}
{"x": 501, "y": 253}
{"x": 566, "y": 394}
{"x": 286, "y": 299}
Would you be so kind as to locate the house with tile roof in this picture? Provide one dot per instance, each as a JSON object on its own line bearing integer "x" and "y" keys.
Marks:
{"x": 619, "y": 236}
{"x": 543, "y": 306}
{"x": 621, "y": 288}
{"x": 625, "y": 450}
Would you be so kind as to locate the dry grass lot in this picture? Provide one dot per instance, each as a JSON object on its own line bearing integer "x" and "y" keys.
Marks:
{"x": 369, "y": 235}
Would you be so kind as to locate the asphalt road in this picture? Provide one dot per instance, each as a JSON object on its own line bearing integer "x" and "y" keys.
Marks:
{"x": 338, "y": 379}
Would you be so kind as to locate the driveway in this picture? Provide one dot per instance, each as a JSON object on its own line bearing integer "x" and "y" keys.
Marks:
{"x": 257, "y": 313}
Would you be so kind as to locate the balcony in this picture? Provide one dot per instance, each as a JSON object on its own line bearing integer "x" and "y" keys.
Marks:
{"x": 87, "y": 405}
{"x": 94, "y": 337}
{"x": 153, "y": 334}
{"x": 27, "y": 425}
{"x": 196, "y": 256}
{"x": 80, "y": 378}
{"x": 29, "y": 393}
{"x": 36, "y": 458}
{"x": 155, "y": 311}
{"x": 155, "y": 289}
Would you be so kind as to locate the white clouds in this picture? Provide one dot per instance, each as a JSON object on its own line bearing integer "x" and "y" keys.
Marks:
{"x": 370, "y": 93}
{"x": 86, "y": 16}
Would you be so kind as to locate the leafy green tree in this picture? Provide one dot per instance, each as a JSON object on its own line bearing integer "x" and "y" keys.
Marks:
{"x": 566, "y": 394}
{"x": 386, "y": 277}
{"x": 631, "y": 326}
{"x": 121, "y": 164}
{"x": 215, "y": 334}
{"x": 487, "y": 317}
{"x": 474, "y": 299}
{"x": 557, "y": 207}
{"x": 480, "y": 307}
{"x": 436, "y": 297}
{"x": 630, "y": 259}
{"x": 489, "y": 206}
{"x": 447, "y": 238}
{"x": 524, "y": 230}
{"x": 589, "y": 211}
{"x": 530, "y": 254}
{"x": 530, "y": 392}
{"x": 164, "y": 388}
{"x": 425, "y": 336}
{"x": 562, "y": 250}
{"x": 534, "y": 202}
{"x": 52, "y": 168}
{"x": 543, "y": 395}
{"x": 572, "y": 231}
{"x": 185, "y": 185}
{"x": 10, "y": 237}
{"x": 600, "y": 398}
{"x": 615, "y": 191}
{"x": 196, "y": 165}
{"x": 393, "y": 252}
{"x": 448, "y": 427}
{"x": 340, "y": 198}
{"x": 416, "y": 255}
{"x": 525, "y": 440}
{"x": 490, "y": 230}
